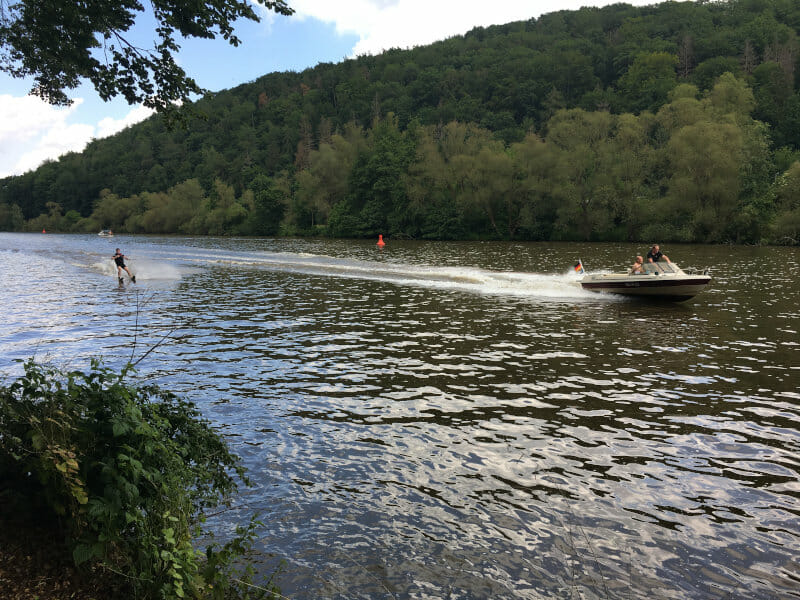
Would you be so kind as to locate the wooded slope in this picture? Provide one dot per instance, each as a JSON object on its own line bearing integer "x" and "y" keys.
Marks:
{"x": 604, "y": 94}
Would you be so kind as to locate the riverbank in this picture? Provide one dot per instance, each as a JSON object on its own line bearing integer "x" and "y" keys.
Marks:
{"x": 35, "y": 564}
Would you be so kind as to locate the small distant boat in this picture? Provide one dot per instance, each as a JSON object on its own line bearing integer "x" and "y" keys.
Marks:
{"x": 106, "y": 233}
{"x": 662, "y": 280}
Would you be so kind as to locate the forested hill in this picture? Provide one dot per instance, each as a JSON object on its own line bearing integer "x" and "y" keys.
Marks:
{"x": 567, "y": 126}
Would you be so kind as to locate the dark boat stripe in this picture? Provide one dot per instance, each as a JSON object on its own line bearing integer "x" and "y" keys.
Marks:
{"x": 633, "y": 285}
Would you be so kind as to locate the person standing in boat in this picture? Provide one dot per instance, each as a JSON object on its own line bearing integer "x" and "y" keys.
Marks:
{"x": 638, "y": 267}
{"x": 654, "y": 255}
{"x": 119, "y": 260}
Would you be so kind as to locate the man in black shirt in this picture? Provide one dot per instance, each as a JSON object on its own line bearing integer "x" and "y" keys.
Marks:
{"x": 655, "y": 255}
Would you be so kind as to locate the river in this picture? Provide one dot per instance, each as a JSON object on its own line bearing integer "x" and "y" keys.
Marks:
{"x": 459, "y": 420}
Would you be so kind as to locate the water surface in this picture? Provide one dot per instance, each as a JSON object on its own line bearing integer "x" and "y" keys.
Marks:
{"x": 459, "y": 420}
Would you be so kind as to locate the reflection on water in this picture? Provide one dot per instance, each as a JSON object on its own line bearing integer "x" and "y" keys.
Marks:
{"x": 461, "y": 420}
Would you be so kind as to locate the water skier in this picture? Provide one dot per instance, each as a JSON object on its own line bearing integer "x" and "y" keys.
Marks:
{"x": 119, "y": 260}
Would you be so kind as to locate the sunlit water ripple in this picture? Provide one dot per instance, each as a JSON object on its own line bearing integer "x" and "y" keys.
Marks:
{"x": 459, "y": 420}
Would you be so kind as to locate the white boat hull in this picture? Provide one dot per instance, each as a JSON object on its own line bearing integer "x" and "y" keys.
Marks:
{"x": 669, "y": 283}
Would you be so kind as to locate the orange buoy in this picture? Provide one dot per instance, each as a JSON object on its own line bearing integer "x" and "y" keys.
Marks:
{"x": 381, "y": 243}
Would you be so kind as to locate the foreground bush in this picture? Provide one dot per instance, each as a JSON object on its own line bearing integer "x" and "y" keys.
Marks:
{"x": 128, "y": 472}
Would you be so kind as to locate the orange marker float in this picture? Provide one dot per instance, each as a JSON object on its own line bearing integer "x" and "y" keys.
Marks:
{"x": 381, "y": 243}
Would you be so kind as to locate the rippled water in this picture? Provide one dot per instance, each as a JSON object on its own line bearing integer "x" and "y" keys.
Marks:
{"x": 460, "y": 420}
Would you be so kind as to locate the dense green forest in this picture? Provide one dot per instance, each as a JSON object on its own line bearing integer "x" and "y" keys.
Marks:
{"x": 678, "y": 122}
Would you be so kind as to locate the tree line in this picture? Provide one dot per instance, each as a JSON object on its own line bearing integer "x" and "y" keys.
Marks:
{"x": 681, "y": 119}
{"x": 699, "y": 169}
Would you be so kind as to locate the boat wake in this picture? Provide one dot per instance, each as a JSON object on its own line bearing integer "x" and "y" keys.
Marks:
{"x": 144, "y": 269}
{"x": 176, "y": 263}
{"x": 468, "y": 279}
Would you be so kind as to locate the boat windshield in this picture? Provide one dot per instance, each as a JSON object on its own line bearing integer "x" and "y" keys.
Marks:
{"x": 661, "y": 267}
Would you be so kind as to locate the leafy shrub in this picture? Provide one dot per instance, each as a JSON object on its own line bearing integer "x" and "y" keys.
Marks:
{"x": 129, "y": 472}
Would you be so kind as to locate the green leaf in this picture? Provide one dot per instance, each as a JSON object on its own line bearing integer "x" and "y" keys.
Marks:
{"x": 119, "y": 428}
{"x": 79, "y": 494}
{"x": 141, "y": 509}
{"x": 82, "y": 553}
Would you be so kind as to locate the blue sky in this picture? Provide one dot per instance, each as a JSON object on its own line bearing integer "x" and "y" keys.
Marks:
{"x": 320, "y": 31}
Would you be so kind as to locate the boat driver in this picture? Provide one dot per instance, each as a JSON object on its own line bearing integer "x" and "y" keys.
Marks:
{"x": 654, "y": 254}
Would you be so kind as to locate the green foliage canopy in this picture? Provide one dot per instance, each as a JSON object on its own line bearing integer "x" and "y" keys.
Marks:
{"x": 128, "y": 471}
{"x": 478, "y": 136}
{"x": 58, "y": 43}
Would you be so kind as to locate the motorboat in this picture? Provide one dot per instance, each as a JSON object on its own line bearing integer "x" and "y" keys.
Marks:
{"x": 106, "y": 233}
{"x": 661, "y": 280}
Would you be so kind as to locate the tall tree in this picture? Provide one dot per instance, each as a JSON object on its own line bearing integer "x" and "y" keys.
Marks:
{"x": 705, "y": 159}
{"x": 786, "y": 228}
{"x": 629, "y": 162}
{"x": 326, "y": 182}
{"x": 11, "y": 218}
{"x": 270, "y": 206}
{"x": 648, "y": 81}
{"x": 438, "y": 181}
{"x": 377, "y": 200}
{"x": 581, "y": 179}
{"x": 489, "y": 188}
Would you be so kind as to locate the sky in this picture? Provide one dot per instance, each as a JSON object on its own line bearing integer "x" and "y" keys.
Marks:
{"x": 320, "y": 31}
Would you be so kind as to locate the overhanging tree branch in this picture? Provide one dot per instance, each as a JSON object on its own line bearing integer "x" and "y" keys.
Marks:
{"x": 56, "y": 43}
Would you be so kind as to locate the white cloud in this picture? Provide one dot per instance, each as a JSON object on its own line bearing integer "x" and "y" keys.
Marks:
{"x": 28, "y": 116}
{"x": 109, "y": 126}
{"x": 384, "y": 24}
{"x": 59, "y": 139}
{"x": 33, "y": 131}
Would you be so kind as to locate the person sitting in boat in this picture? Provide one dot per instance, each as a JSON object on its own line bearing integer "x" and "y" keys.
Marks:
{"x": 654, "y": 255}
{"x": 638, "y": 267}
